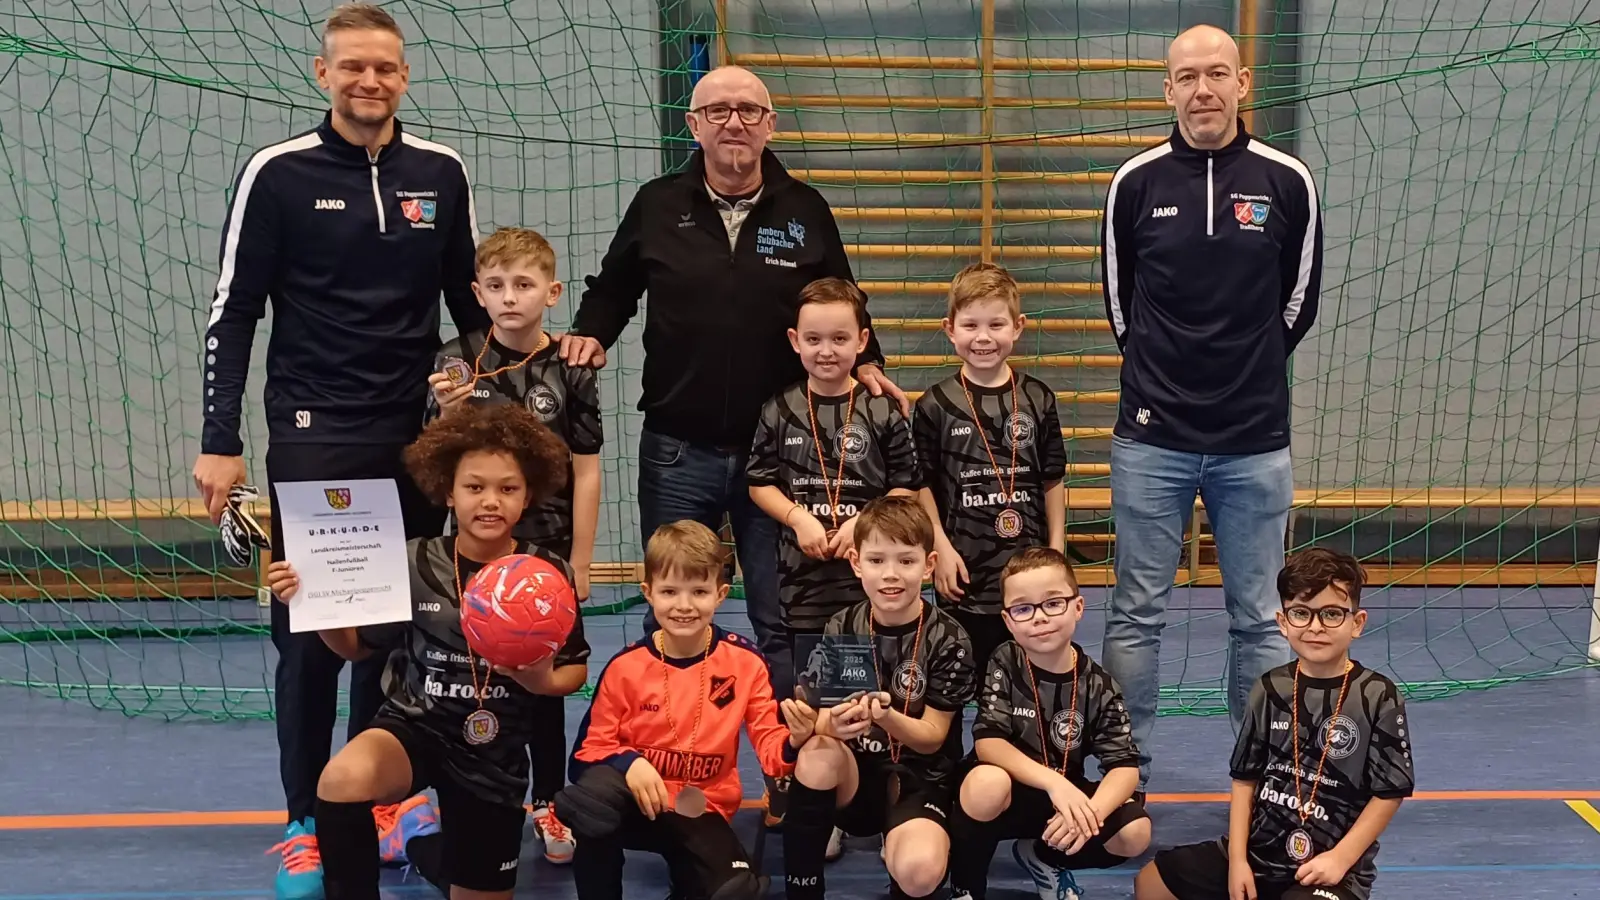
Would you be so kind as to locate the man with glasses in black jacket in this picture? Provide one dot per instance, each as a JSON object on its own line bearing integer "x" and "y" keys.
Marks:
{"x": 723, "y": 249}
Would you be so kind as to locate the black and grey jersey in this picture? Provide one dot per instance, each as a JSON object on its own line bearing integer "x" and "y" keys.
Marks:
{"x": 429, "y": 677}
{"x": 1096, "y": 725}
{"x": 937, "y": 672}
{"x": 876, "y": 453}
{"x": 1368, "y": 748}
{"x": 566, "y": 398}
{"x": 988, "y": 514}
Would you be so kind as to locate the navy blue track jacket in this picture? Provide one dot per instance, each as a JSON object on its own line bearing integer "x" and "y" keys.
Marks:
{"x": 1212, "y": 262}
{"x": 354, "y": 253}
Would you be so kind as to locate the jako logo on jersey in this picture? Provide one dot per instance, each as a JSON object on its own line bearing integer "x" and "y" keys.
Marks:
{"x": 329, "y": 204}
{"x": 740, "y": 864}
{"x": 1324, "y": 894}
{"x": 795, "y": 441}
{"x": 508, "y": 866}
{"x": 1163, "y": 212}
{"x": 428, "y": 607}
{"x": 961, "y": 431}
{"x": 1291, "y": 802}
{"x": 1023, "y": 712}
{"x": 1280, "y": 725}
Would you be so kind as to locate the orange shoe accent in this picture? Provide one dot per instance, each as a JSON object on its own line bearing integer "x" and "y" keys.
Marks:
{"x": 300, "y": 854}
{"x": 555, "y": 831}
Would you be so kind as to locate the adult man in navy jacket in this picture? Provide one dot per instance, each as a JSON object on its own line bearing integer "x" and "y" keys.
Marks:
{"x": 353, "y": 229}
{"x": 1212, "y": 261}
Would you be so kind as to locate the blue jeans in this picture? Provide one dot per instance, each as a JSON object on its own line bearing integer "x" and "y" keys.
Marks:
{"x": 679, "y": 480}
{"x": 1247, "y": 500}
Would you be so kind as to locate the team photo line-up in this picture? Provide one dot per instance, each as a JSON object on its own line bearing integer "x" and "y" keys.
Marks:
{"x": 765, "y": 405}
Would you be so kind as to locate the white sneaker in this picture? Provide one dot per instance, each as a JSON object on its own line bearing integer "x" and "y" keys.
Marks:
{"x": 1052, "y": 883}
{"x": 835, "y": 845}
{"x": 559, "y": 844}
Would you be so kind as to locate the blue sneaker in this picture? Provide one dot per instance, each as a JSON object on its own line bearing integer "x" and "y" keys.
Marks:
{"x": 1051, "y": 882}
{"x": 400, "y": 823}
{"x": 300, "y": 872}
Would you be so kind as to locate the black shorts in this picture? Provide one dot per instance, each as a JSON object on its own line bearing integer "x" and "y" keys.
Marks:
{"x": 482, "y": 839}
{"x": 1031, "y": 810}
{"x": 1200, "y": 872}
{"x": 889, "y": 795}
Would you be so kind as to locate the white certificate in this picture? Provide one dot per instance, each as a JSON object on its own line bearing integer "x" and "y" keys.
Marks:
{"x": 347, "y": 543}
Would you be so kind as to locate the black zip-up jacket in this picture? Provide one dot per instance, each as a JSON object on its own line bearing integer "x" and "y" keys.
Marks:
{"x": 354, "y": 253}
{"x": 1212, "y": 262}
{"x": 715, "y": 338}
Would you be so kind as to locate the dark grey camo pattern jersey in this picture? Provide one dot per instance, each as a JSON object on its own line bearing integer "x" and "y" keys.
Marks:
{"x": 937, "y": 673}
{"x": 1097, "y": 727}
{"x": 1370, "y": 756}
{"x": 565, "y": 398}
{"x": 429, "y": 678}
{"x": 878, "y": 456}
{"x": 970, "y": 493}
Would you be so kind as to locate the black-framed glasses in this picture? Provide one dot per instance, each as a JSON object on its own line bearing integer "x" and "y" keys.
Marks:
{"x": 1055, "y": 606}
{"x": 720, "y": 113}
{"x": 1331, "y": 616}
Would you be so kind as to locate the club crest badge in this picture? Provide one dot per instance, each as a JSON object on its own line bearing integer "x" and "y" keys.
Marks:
{"x": 457, "y": 370}
{"x": 420, "y": 211}
{"x": 852, "y": 443}
{"x": 909, "y": 682}
{"x": 1341, "y": 736}
{"x": 481, "y": 727}
{"x": 542, "y": 401}
{"x": 1250, "y": 213}
{"x": 1298, "y": 846}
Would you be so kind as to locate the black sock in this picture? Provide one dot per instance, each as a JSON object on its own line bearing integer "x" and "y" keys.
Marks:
{"x": 895, "y": 893}
{"x": 425, "y": 852}
{"x": 547, "y": 751}
{"x": 348, "y": 840}
{"x": 807, "y": 825}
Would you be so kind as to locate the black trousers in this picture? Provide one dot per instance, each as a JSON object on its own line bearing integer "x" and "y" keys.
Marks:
{"x": 306, "y": 682}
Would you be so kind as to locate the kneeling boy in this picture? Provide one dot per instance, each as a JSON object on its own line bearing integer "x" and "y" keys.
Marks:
{"x": 656, "y": 764}
{"x": 875, "y": 765}
{"x": 1043, "y": 708}
{"x": 1320, "y": 767}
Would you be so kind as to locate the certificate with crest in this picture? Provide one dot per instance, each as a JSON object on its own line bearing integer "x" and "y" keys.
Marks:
{"x": 833, "y": 668}
{"x": 347, "y": 543}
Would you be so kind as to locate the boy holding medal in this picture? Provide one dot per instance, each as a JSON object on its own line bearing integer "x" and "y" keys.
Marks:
{"x": 989, "y": 443}
{"x": 516, "y": 362}
{"x": 656, "y": 763}
{"x": 1044, "y": 707}
{"x": 876, "y": 763}
{"x": 822, "y": 449}
{"x": 1320, "y": 767}
{"x": 449, "y": 722}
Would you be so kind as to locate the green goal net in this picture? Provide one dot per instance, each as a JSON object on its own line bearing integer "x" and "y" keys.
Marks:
{"x": 1445, "y": 412}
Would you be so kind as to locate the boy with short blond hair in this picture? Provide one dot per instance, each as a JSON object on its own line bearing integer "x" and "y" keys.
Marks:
{"x": 655, "y": 765}
{"x": 1045, "y": 707}
{"x": 989, "y": 443}
{"x": 1320, "y": 767}
{"x": 515, "y": 362}
{"x": 875, "y": 764}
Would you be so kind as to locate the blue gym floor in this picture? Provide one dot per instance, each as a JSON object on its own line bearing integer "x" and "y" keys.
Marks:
{"x": 1506, "y": 759}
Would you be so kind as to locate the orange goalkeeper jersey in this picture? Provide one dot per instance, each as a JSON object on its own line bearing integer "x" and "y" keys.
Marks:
{"x": 645, "y": 706}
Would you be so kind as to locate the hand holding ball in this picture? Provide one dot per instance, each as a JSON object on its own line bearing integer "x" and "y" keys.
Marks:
{"x": 517, "y": 611}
